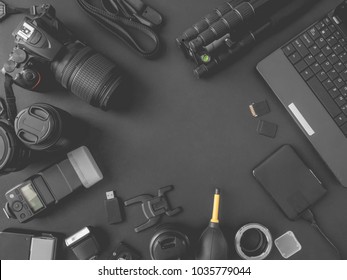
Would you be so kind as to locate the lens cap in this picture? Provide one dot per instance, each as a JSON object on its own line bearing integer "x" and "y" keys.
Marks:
{"x": 169, "y": 243}
{"x": 37, "y": 126}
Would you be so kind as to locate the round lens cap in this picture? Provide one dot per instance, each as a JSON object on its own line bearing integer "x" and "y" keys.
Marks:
{"x": 34, "y": 125}
{"x": 169, "y": 244}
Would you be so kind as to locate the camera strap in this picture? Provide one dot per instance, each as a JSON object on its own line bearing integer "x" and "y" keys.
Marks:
{"x": 123, "y": 17}
{"x": 6, "y": 10}
{"x": 8, "y": 105}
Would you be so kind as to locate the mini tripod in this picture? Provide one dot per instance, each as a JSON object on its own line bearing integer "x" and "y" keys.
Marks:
{"x": 154, "y": 207}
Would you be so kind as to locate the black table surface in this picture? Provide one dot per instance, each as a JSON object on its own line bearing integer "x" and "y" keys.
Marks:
{"x": 173, "y": 129}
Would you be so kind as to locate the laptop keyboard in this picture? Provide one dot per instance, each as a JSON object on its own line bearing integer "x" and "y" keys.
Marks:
{"x": 320, "y": 56}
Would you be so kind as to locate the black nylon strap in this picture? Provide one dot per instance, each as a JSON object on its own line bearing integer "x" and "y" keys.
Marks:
{"x": 120, "y": 23}
{"x": 10, "y": 99}
{"x": 6, "y": 10}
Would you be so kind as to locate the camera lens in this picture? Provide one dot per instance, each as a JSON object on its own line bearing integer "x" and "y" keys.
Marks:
{"x": 45, "y": 127}
{"x": 13, "y": 154}
{"x": 88, "y": 75}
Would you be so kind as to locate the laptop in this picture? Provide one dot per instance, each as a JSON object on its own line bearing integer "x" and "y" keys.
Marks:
{"x": 309, "y": 76}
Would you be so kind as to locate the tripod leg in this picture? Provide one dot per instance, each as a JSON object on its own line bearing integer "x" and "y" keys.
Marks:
{"x": 173, "y": 211}
{"x": 151, "y": 222}
{"x": 164, "y": 190}
{"x": 138, "y": 199}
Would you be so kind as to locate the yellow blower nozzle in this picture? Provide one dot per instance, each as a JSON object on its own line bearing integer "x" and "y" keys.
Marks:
{"x": 212, "y": 243}
{"x": 215, "y": 212}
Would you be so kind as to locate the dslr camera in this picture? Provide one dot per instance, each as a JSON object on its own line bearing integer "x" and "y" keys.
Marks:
{"x": 45, "y": 48}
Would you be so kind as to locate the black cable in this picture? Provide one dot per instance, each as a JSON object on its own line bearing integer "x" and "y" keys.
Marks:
{"x": 309, "y": 217}
{"x": 118, "y": 21}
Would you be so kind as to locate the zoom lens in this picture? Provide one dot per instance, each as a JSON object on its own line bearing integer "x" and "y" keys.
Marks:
{"x": 88, "y": 75}
{"x": 13, "y": 154}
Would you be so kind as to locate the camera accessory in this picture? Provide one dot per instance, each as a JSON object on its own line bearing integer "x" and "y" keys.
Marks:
{"x": 43, "y": 43}
{"x": 267, "y": 129}
{"x": 240, "y": 15}
{"x": 6, "y": 10}
{"x": 228, "y": 33}
{"x": 253, "y": 242}
{"x": 43, "y": 248}
{"x": 2, "y": 10}
{"x": 21, "y": 246}
{"x": 44, "y": 127}
{"x": 169, "y": 243}
{"x": 113, "y": 208}
{"x": 125, "y": 252}
{"x": 207, "y": 20}
{"x": 212, "y": 243}
{"x": 14, "y": 155}
{"x": 292, "y": 185}
{"x": 287, "y": 244}
{"x": 84, "y": 244}
{"x": 259, "y": 109}
{"x": 46, "y": 188}
{"x": 123, "y": 17}
{"x": 154, "y": 207}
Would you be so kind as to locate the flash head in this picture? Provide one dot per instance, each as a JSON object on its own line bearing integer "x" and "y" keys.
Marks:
{"x": 85, "y": 166}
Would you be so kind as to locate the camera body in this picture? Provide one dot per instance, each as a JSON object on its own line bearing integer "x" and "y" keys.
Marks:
{"x": 46, "y": 188}
{"x": 35, "y": 48}
{"x": 46, "y": 49}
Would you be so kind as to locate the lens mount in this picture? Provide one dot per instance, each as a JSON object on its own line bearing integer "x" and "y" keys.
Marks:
{"x": 263, "y": 247}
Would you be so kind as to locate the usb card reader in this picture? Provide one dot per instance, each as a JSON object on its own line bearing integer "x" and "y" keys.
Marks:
{"x": 113, "y": 208}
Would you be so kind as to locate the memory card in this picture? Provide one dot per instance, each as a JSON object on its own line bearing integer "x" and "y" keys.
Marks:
{"x": 259, "y": 109}
{"x": 267, "y": 129}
